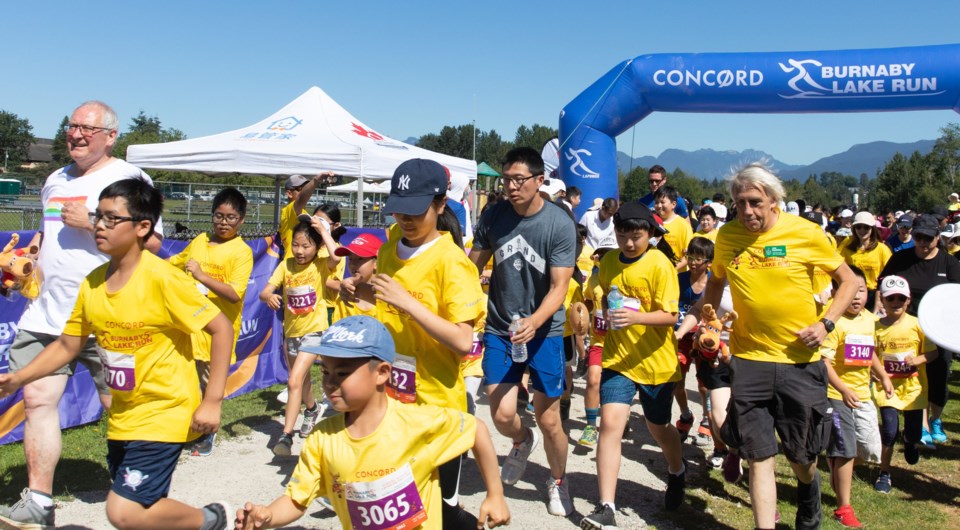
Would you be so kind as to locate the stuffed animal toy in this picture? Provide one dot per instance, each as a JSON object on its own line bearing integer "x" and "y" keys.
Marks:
{"x": 579, "y": 318}
{"x": 707, "y": 343}
{"x": 19, "y": 267}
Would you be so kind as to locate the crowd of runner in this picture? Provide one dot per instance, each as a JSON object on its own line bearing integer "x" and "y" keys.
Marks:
{"x": 800, "y": 325}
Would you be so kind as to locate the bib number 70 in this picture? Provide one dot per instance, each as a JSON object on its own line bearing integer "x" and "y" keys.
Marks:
{"x": 388, "y": 513}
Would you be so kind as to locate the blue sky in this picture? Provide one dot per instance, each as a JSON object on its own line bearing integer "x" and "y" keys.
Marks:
{"x": 409, "y": 68}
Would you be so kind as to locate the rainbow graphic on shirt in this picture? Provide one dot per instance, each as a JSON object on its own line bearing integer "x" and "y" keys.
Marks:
{"x": 54, "y": 208}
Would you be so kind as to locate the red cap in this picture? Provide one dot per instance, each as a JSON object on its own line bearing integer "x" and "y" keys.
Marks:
{"x": 364, "y": 246}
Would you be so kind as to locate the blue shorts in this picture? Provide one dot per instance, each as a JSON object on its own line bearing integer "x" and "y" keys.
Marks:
{"x": 142, "y": 471}
{"x": 656, "y": 400}
{"x": 544, "y": 359}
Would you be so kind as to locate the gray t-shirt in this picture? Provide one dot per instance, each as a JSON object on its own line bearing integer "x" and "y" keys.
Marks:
{"x": 524, "y": 250}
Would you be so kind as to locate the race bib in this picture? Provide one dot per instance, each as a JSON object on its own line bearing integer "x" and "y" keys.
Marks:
{"x": 895, "y": 364}
{"x": 476, "y": 351}
{"x": 599, "y": 323}
{"x": 390, "y": 503}
{"x": 301, "y": 299}
{"x": 632, "y": 304}
{"x": 119, "y": 369}
{"x": 403, "y": 379}
{"x": 858, "y": 350}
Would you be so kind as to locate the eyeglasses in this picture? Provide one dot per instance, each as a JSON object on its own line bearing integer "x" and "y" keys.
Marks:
{"x": 655, "y": 181}
{"x": 230, "y": 218}
{"x": 506, "y": 182}
{"x": 697, "y": 261}
{"x": 85, "y": 130}
{"x": 109, "y": 220}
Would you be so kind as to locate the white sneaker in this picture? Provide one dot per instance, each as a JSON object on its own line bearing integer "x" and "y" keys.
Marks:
{"x": 558, "y": 497}
{"x": 283, "y": 396}
{"x": 516, "y": 462}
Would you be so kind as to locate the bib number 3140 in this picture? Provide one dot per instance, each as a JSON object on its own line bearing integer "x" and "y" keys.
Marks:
{"x": 390, "y": 503}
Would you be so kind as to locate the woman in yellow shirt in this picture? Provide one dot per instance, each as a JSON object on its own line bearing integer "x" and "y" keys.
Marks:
{"x": 866, "y": 250}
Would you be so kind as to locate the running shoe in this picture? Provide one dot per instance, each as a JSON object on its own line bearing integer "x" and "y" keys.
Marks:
{"x": 845, "y": 516}
{"x": 684, "y": 424}
{"x": 676, "y": 484}
{"x": 883, "y": 483}
{"x": 716, "y": 459}
{"x": 926, "y": 441}
{"x": 732, "y": 470}
{"x": 220, "y": 516}
{"x": 516, "y": 462}
{"x": 310, "y": 419}
{"x": 602, "y": 518}
{"x": 589, "y": 436}
{"x": 910, "y": 453}
{"x": 284, "y": 446}
{"x": 26, "y": 513}
{"x": 704, "y": 434}
{"x": 204, "y": 445}
{"x": 558, "y": 497}
{"x": 936, "y": 432}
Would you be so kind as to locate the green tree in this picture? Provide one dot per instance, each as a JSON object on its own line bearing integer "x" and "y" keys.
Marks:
{"x": 59, "y": 154}
{"x": 145, "y": 130}
{"x": 491, "y": 148}
{"x": 633, "y": 184}
{"x": 534, "y": 137}
{"x": 15, "y": 139}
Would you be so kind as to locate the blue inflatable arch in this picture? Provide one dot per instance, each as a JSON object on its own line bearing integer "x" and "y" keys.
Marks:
{"x": 916, "y": 78}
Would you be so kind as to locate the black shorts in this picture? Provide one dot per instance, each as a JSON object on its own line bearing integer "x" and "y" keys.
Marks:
{"x": 142, "y": 471}
{"x": 770, "y": 399}
{"x": 713, "y": 377}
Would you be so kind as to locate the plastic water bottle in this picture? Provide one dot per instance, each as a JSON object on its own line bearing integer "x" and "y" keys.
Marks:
{"x": 614, "y": 301}
{"x": 517, "y": 351}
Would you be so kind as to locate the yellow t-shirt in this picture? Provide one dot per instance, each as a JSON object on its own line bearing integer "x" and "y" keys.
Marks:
{"x": 143, "y": 338}
{"x": 851, "y": 347}
{"x": 288, "y": 221}
{"x": 231, "y": 263}
{"x": 871, "y": 262}
{"x": 405, "y": 450}
{"x": 598, "y": 324}
{"x": 711, "y": 235}
{"x": 304, "y": 310}
{"x": 574, "y": 295}
{"x": 444, "y": 280}
{"x": 678, "y": 236}
{"x": 645, "y": 354}
{"x": 330, "y": 296}
{"x": 585, "y": 260}
{"x": 342, "y": 309}
{"x": 895, "y": 342}
{"x": 771, "y": 281}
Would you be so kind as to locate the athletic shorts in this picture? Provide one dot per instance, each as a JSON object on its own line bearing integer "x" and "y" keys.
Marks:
{"x": 769, "y": 399}
{"x": 843, "y": 435}
{"x": 27, "y": 345}
{"x": 545, "y": 361}
{"x": 142, "y": 471}
{"x": 684, "y": 346}
{"x": 713, "y": 377}
{"x": 595, "y": 355}
{"x": 656, "y": 400}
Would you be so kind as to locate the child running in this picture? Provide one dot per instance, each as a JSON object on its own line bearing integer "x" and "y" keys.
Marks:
{"x": 593, "y": 361}
{"x": 639, "y": 356}
{"x": 904, "y": 350}
{"x": 377, "y": 461}
{"x": 361, "y": 256}
{"x": 143, "y": 312}
{"x": 302, "y": 276}
{"x": 220, "y": 263}
{"x": 679, "y": 233}
{"x": 848, "y": 353}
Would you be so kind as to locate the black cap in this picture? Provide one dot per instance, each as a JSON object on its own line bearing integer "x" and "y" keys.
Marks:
{"x": 926, "y": 225}
{"x": 414, "y": 185}
{"x": 637, "y": 210}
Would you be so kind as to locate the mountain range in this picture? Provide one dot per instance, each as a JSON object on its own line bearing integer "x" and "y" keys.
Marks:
{"x": 709, "y": 164}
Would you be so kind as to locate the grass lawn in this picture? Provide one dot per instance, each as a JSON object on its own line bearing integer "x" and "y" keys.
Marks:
{"x": 924, "y": 496}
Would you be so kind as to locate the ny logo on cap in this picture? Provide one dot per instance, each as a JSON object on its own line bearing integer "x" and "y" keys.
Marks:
{"x": 403, "y": 183}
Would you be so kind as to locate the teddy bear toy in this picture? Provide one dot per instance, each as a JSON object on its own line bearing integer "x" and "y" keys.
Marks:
{"x": 707, "y": 343}
{"x": 18, "y": 266}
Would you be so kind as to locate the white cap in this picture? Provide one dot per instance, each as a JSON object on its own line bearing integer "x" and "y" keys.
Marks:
{"x": 846, "y": 213}
{"x": 865, "y": 218}
{"x": 552, "y": 186}
{"x": 950, "y": 231}
{"x": 894, "y": 285}
{"x": 720, "y": 210}
{"x": 954, "y": 196}
{"x": 793, "y": 208}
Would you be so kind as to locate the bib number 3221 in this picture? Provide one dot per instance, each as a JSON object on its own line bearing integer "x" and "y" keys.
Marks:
{"x": 390, "y": 503}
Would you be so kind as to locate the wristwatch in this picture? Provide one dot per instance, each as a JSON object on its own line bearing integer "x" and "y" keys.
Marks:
{"x": 828, "y": 324}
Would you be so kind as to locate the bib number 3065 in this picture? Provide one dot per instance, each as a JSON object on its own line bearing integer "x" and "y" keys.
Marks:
{"x": 390, "y": 503}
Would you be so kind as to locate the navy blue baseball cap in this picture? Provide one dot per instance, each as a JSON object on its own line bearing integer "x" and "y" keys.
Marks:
{"x": 353, "y": 338}
{"x": 414, "y": 185}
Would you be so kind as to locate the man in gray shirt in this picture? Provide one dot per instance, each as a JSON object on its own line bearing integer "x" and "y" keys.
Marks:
{"x": 533, "y": 244}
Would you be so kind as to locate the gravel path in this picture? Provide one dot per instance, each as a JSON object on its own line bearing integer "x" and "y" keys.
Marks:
{"x": 243, "y": 468}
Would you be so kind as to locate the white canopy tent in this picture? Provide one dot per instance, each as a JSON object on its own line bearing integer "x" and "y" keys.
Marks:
{"x": 311, "y": 134}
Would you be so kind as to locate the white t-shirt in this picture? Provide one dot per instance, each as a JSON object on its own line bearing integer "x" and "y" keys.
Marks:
{"x": 68, "y": 254}
{"x": 599, "y": 234}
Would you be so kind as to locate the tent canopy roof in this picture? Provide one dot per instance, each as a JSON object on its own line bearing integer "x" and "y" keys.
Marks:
{"x": 484, "y": 169}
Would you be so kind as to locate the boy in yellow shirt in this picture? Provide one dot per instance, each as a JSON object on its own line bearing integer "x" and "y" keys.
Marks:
{"x": 848, "y": 354}
{"x": 639, "y": 356}
{"x": 377, "y": 461}
{"x": 679, "y": 233}
{"x": 143, "y": 312}
{"x": 361, "y": 256}
{"x": 220, "y": 263}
